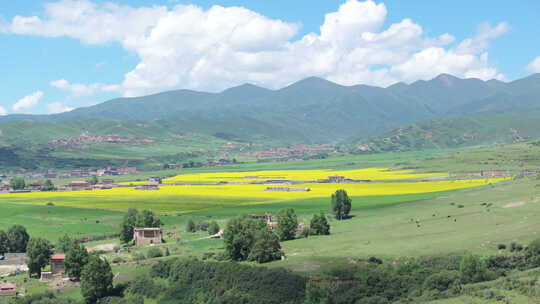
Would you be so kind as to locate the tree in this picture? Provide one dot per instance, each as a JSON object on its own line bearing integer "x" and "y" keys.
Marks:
{"x": 17, "y": 238}
{"x": 266, "y": 247}
{"x": 38, "y": 255}
{"x": 48, "y": 186}
{"x": 213, "y": 228}
{"x": 128, "y": 223}
{"x": 319, "y": 225}
{"x": 341, "y": 204}
{"x": 65, "y": 243}
{"x": 473, "y": 270}
{"x": 148, "y": 219}
{"x": 4, "y": 242}
{"x": 287, "y": 224}
{"x": 190, "y": 226}
{"x": 239, "y": 237}
{"x": 93, "y": 180}
{"x": 96, "y": 279}
{"x": 17, "y": 183}
{"x": 76, "y": 259}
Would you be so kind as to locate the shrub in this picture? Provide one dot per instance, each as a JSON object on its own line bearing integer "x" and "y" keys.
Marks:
{"x": 501, "y": 246}
{"x": 154, "y": 252}
{"x": 375, "y": 260}
{"x": 190, "y": 226}
{"x": 117, "y": 260}
{"x": 202, "y": 226}
{"x": 137, "y": 256}
{"x": 441, "y": 281}
{"x": 534, "y": 247}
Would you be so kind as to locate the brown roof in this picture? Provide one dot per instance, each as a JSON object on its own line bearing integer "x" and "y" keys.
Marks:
{"x": 58, "y": 256}
{"x": 76, "y": 183}
{"x": 147, "y": 229}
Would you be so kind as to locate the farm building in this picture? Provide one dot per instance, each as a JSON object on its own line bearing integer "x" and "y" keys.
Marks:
{"x": 147, "y": 236}
{"x": 493, "y": 173}
{"x": 8, "y": 289}
{"x": 107, "y": 181}
{"x": 57, "y": 264}
{"x": 264, "y": 217}
{"x": 4, "y": 186}
{"x": 148, "y": 186}
{"x": 35, "y": 186}
{"x": 79, "y": 185}
{"x": 155, "y": 179}
{"x": 287, "y": 189}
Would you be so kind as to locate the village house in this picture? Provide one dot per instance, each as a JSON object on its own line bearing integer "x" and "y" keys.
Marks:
{"x": 287, "y": 189}
{"x": 127, "y": 170}
{"x": 155, "y": 179}
{"x": 79, "y": 185}
{"x": 35, "y": 186}
{"x": 146, "y": 236}
{"x": 4, "y": 186}
{"x": 57, "y": 264}
{"x": 148, "y": 186}
{"x": 493, "y": 173}
{"x": 8, "y": 289}
{"x": 107, "y": 181}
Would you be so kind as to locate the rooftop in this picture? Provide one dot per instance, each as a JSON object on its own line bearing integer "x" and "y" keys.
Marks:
{"x": 58, "y": 256}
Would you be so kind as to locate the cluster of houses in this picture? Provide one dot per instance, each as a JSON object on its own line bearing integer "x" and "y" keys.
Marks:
{"x": 83, "y": 172}
{"x": 86, "y": 138}
{"x": 298, "y": 151}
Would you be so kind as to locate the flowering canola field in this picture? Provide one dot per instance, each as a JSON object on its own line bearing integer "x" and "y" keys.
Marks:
{"x": 186, "y": 198}
{"x": 300, "y": 175}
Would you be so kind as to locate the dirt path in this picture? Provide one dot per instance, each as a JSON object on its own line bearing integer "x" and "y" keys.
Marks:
{"x": 103, "y": 247}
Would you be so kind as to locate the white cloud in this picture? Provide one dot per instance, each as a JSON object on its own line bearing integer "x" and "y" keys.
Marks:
{"x": 82, "y": 90}
{"x": 534, "y": 66}
{"x": 28, "y": 101}
{"x": 190, "y": 47}
{"x": 2, "y": 111}
{"x": 57, "y": 107}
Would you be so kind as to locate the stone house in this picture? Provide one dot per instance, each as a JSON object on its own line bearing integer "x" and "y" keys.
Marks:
{"x": 57, "y": 264}
{"x": 146, "y": 236}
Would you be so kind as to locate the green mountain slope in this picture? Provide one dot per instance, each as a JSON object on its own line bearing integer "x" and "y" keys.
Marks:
{"x": 470, "y": 130}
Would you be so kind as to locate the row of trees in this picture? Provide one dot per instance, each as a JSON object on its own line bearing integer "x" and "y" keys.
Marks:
{"x": 18, "y": 183}
{"x": 133, "y": 218}
{"x": 14, "y": 240}
{"x": 211, "y": 227}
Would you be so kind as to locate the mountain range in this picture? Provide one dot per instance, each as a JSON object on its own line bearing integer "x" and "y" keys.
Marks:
{"x": 444, "y": 111}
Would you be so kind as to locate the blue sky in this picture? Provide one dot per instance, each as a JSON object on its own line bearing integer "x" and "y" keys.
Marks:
{"x": 87, "y": 70}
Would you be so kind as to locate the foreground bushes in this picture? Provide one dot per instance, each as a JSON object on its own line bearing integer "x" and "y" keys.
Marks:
{"x": 227, "y": 282}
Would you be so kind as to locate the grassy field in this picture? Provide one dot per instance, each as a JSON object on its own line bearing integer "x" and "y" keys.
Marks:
{"x": 385, "y": 224}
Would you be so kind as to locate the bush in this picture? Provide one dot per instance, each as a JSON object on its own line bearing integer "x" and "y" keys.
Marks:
{"x": 137, "y": 256}
{"x": 375, "y": 260}
{"x": 441, "y": 281}
{"x": 501, "y": 246}
{"x": 190, "y": 226}
{"x": 144, "y": 286}
{"x": 154, "y": 252}
{"x": 534, "y": 247}
{"x": 118, "y": 260}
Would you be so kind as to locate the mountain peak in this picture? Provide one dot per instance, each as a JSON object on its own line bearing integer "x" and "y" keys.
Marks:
{"x": 313, "y": 83}
{"x": 447, "y": 79}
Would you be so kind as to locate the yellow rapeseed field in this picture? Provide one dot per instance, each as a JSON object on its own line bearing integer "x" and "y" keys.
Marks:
{"x": 301, "y": 175}
{"x": 185, "y": 198}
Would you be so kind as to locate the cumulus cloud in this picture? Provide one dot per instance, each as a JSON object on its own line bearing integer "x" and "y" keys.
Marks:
{"x": 2, "y": 111}
{"x": 534, "y": 66}
{"x": 211, "y": 49}
{"x": 28, "y": 101}
{"x": 82, "y": 90}
{"x": 57, "y": 107}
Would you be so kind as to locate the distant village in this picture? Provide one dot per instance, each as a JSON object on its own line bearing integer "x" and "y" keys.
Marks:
{"x": 86, "y": 138}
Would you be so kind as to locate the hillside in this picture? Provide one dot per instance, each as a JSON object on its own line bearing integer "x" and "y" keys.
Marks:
{"x": 443, "y": 112}
{"x": 479, "y": 129}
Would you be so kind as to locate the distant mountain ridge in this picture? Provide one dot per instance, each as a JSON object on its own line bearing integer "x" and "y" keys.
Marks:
{"x": 310, "y": 110}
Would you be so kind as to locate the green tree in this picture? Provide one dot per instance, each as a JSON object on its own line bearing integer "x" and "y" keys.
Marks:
{"x": 38, "y": 255}
{"x": 17, "y": 183}
{"x": 4, "y": 242}
{"x": 190, "y": 226}
{"x": 48, "y": 186}
{"x": 287, "y": 224}
{"x": 266, "y": 247}
{"x": 473, "y": 269}
{"x": 341, "y": 204}
{"x": 319, "y": 225}
{"x": 213, "y": 228}
{"x": 76, "y": 259}
{"x": 148, "y": 219}
{"x": 239, "y": 237}
{"x": 17, "y": 238}
{"x": 93, "y": 180}
{"x": 96, "y": 279}
{"x": 128, "y": 223}
{"x": 317, "y": 293}
{"x": 65, "y": 243}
